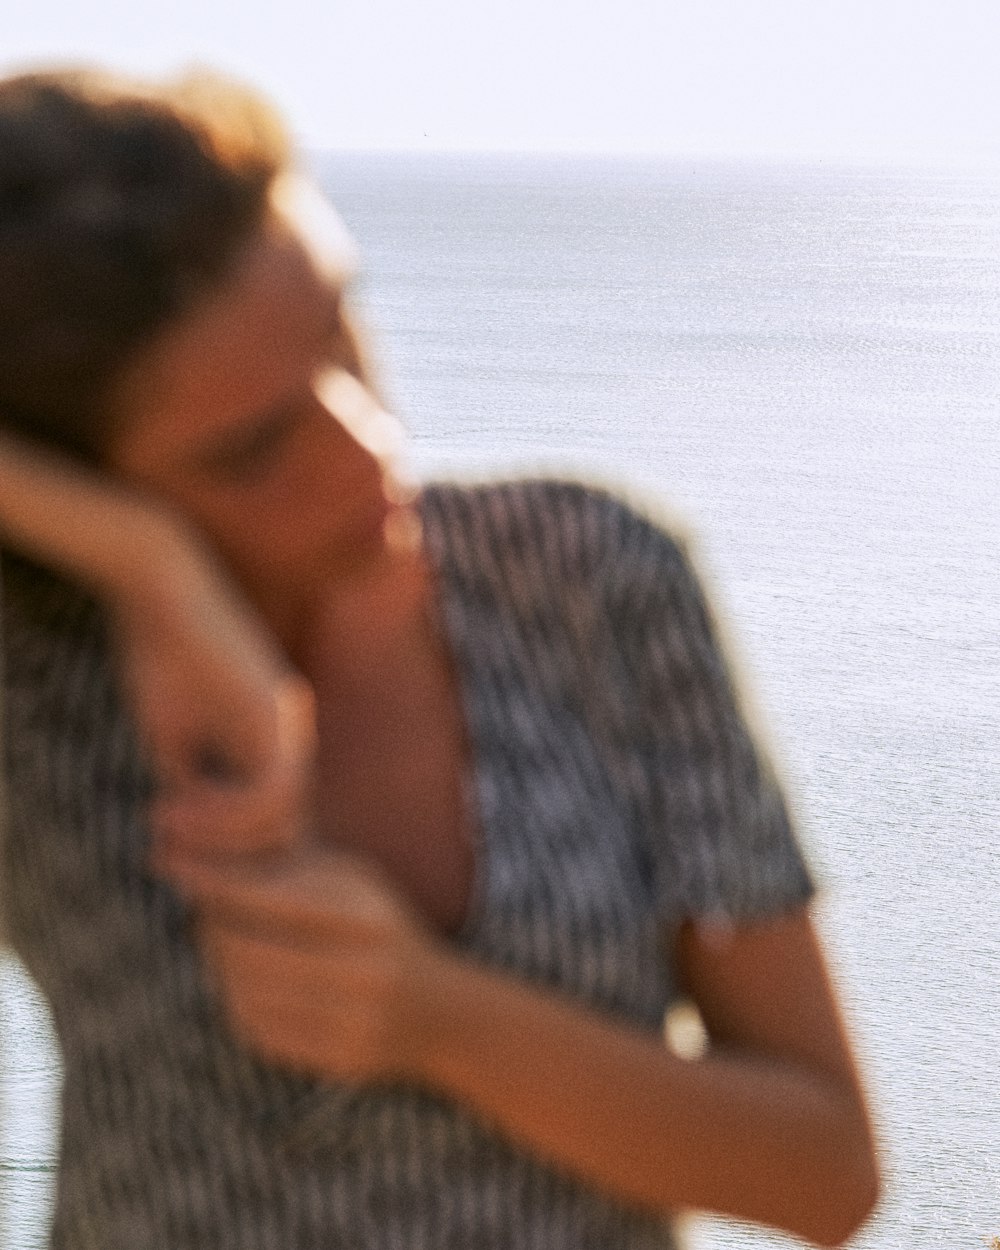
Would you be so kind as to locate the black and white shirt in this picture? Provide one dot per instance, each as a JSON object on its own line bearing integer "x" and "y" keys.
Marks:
{"x": 618, "y": 791}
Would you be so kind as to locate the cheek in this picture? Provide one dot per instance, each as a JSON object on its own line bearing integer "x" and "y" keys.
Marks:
{"x": 282, "y": 532}
{"x": 268, "y": 537}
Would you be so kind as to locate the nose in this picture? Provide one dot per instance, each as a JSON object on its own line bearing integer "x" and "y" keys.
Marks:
{"x": 351, "y": 404}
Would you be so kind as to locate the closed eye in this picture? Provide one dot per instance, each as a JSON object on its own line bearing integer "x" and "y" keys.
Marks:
{"x": 249, "y": 453}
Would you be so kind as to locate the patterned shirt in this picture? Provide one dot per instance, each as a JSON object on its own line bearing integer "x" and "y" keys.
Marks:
{"x": 616, "y": 789}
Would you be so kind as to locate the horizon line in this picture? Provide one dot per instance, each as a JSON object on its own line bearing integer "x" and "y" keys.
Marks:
{"x": 891, "y": 158}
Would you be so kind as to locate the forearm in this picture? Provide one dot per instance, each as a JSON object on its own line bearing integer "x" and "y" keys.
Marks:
{"x": 745, "y": 1136}
{"x": 112, "y": 541}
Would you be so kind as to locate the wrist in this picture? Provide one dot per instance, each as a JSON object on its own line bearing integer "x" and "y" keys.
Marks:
{"x": 456, "y": 1014}
{"x": 437, "y": 992}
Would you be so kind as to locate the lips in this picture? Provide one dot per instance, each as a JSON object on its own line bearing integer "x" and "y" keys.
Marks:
{"x": 386, "y": 519}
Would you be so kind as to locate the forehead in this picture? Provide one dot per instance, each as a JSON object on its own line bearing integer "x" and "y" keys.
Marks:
{"x": 319, "y": 227}
{"x": 251, "y": 343}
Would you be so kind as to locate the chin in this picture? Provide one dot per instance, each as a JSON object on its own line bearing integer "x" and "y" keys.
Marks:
{"x": 403, "y": 532}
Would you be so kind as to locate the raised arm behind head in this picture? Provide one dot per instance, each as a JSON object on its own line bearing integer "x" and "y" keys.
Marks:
{"x": 120, "y": 207}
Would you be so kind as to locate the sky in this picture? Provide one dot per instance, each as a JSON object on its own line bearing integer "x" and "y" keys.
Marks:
{"x": 811, "y": 79}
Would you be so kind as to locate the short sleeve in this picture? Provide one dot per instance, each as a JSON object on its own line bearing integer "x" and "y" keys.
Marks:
{"x": 716, "y": 823}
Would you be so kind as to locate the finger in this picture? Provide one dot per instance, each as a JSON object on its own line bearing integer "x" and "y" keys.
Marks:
{"x": 217, "y": 819}
{"x": 217, "y": 800}
{"x": 262, "y": 991}
{"x": 265, "y": 975}
{"x": 211, "y": 810}
{"x": 295, "y": 723}
{"x": 249, "y": 749}
{"x": 322, "y": 1006}
{"x": 262, "y": 968}
{"x": 303, "y": 894}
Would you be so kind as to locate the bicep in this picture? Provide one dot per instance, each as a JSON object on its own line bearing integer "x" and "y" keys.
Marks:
{"x": 764, "y": 988}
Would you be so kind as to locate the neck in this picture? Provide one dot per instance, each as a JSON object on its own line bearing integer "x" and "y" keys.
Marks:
{"x": 371, "y": 628}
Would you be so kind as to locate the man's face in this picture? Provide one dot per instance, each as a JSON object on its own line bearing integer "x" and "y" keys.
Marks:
{"x": 249, "y": 417}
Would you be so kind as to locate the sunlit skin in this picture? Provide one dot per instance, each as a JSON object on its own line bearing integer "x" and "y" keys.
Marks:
{"x": 228, "y": 418}
{"x": 336, "y": 966}
{"x": 244, "y": 418}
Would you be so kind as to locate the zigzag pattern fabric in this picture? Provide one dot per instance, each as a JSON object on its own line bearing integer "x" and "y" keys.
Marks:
{"x": 617, "y": 790}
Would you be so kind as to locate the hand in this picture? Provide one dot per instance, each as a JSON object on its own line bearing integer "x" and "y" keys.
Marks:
{"x": 321, "y": 966}
{"x": 230, "y": 727}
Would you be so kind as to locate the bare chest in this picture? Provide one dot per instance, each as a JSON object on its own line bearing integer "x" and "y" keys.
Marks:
{"x": 391, "y": 786}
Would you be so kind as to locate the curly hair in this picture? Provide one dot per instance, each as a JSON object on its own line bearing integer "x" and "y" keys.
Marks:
{"x": 120, "y": 205}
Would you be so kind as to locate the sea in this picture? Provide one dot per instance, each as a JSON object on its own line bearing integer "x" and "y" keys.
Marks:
{"x": 801, "y": 362}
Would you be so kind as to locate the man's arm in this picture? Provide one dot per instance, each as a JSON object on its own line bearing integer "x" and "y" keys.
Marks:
{"x": 83, "y": 525}
{"x": 323, "y": 968}
{"x": 229, "y": 725}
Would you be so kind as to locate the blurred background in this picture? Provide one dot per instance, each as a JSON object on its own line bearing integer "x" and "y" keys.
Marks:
{"x": 744, "y": 258}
